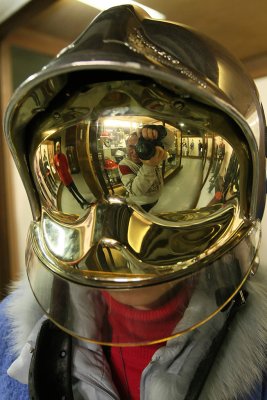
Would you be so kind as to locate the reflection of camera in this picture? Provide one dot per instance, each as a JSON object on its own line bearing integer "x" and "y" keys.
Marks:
{"x": 145, "y": 148}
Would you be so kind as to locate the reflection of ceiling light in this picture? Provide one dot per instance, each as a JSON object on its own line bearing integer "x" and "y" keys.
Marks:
{"x": 113, "y": 123}
{"x": 104, "y": 4}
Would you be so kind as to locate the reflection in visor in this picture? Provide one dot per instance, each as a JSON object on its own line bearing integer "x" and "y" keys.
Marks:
{"x": 192, "y": 161}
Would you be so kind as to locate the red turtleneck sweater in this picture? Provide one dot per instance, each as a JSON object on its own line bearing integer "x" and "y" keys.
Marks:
{"x": 130, "y": 325}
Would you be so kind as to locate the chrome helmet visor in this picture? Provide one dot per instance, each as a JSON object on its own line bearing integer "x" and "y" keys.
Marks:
{"x": 93, "y": 125}
{"x": 128, "y": 248}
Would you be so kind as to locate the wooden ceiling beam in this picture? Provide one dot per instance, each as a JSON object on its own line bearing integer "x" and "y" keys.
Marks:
{"x": 23, "y": 15}
{"x": 256, "y": 65}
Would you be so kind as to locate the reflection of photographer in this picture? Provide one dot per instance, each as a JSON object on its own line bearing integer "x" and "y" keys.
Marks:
{"x": 142, "y": 177}
{"x": 151, "y": 137}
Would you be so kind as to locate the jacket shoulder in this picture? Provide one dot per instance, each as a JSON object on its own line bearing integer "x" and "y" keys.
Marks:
{"x": 241, "y": 362}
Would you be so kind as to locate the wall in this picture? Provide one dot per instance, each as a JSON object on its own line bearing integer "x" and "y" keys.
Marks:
{"x": 262, "y": 88}
{"x": 24, "y": 62}
{"x": 22, "y": 53}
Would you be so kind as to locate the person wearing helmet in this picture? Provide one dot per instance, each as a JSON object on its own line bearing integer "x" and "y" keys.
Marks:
{"x": 120, "y": 303}
{"x": 140, "y": 172}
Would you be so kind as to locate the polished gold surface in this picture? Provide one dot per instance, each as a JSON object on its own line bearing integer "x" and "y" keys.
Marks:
{"x": 143, "y": 160}
{"x": 73, "y": 307}
{"x": 95, "y": 224}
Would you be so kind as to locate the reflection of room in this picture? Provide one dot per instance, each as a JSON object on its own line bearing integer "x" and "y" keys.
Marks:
{"x": 61, "y": 180}
{"x": 202, "y": 181}
{"x": 192, "y": 179}
{"x": 112, "y": 147}
{"x": 46, "y": 172}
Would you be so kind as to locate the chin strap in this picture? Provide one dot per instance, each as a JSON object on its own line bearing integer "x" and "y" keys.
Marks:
{"x": 50, "y": 370}
{"x": 205, "y": 366}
